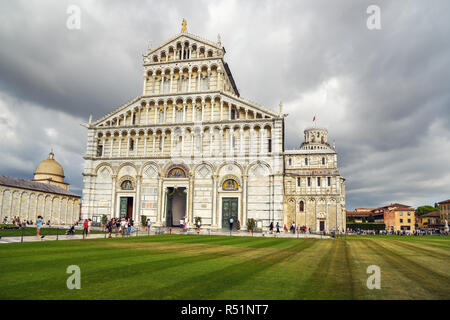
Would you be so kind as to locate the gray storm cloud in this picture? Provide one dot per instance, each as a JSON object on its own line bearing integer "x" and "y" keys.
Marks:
{"x": 383, "y": 94}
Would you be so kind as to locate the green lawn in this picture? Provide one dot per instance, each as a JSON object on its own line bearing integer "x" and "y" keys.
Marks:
{"x": 221, "y": 267}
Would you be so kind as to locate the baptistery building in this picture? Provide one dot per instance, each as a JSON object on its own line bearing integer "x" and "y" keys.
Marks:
{"x": 190, "y": 146}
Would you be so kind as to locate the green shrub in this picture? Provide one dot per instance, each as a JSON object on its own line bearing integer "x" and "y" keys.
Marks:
{"x": 104, "y": 219}
{"x": 251, "y": 223}
{"x": 143, "y": 219}
{"x": 366, "y": 226}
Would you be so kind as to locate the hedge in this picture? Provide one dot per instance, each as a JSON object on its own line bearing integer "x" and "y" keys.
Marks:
{"x": 366, "y": 226}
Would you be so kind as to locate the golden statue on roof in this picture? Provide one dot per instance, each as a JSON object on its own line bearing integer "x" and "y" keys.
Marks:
{"x": 183, "y": 26}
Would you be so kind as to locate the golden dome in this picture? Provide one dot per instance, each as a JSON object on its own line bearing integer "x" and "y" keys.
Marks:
{"x": 49, "y": 169}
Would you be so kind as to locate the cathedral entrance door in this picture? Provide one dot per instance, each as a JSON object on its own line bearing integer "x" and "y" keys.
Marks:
{"x": 229, "y": 209}
{"x": 126, "y": 207}
{"x": 175, "y": 206}
{"x": 322, "y": 225}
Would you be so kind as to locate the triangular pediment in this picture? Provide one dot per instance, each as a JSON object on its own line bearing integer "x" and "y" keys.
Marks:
{"x": 140, "y": 102}
{"x": 181, "y": 38}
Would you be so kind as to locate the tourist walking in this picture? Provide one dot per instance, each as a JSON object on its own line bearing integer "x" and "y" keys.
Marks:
{"x": 271, "y": 227}
{"x": 238, "y": 226}
{"x": 123, "y": 225}
{"x": 231, "y": 224}
{"x": 149, "y": 224}
{"x": 198, "y": 226}
{"x": 38, "y": 225}
{"x": 278, "y": 227}
{"x": 110, "y": 226}
{"x": 85, "y": 227}
{"x": 117, "y": 223}
{"x": 129, "y": 228}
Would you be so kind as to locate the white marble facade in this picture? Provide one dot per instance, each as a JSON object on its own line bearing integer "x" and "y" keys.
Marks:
{"x": 188, "y": 138}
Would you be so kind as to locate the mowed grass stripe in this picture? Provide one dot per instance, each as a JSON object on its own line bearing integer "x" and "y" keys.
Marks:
{"x": 412, "y": 275}
{"x": 283, "y": 279}
{"x": 332, "y": 277}
{"x": 438, "y": 252}
{"x": 185, "y": 284}
{"x": 418, "y": 261}
{"x": 242, "y": 279}
{"x": 119, "y": 272}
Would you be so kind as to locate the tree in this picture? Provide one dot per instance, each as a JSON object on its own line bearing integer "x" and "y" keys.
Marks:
{"x": 370, "y": 218}
{"x": 424, "y": 210}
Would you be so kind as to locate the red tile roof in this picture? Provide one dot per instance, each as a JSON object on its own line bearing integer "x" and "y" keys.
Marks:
{"x": 396, "y": 205}
{"x": 403, "y": 209}
{"x": 444, "y": 202}
{"x": 358, "y": 213}
{"x": 431, "y": 214}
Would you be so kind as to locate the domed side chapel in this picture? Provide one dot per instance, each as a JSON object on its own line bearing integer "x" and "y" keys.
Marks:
{"x": 190, "y": 146}
{"x": 46, "y": 195}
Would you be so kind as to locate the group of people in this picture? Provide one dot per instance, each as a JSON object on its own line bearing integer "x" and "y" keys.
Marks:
{"x": 238, "y": 224}
{"x": 358, "y": 231}
{"x": 20, "y": 223}
{"x": 17, "y": 222}
{"x": 121, "y": 226}
{"x": 296, "y": 229}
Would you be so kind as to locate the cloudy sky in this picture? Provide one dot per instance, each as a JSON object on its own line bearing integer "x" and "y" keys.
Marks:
{"x": 384, "y": 95}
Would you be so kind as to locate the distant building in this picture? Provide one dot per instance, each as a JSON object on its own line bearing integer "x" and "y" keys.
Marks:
{"x": 47, "y": 195}
{"x": 430, "y": 220}
{"x": 359, "y": 216}
{"x": 397, "y": 217}
{"x": 444, "y": 208}
{"x": 314, "y": 188}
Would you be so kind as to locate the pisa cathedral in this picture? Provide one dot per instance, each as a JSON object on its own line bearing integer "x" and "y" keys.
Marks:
{"x": 190, "y": 146}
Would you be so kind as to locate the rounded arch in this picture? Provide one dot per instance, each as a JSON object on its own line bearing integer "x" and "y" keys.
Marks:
{"x": 124, "y": 164}
{"x": 230, "y": 177}
{"x": 171, "y": 165}
{"x": 202, "y": 164}
{"x": 238, "y": 165}
{"x": 149, "y": 164}
{"x": 258, "y": 162}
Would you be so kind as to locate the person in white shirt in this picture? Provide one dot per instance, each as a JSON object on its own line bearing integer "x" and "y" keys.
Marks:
{"x": 123, "y": 226}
